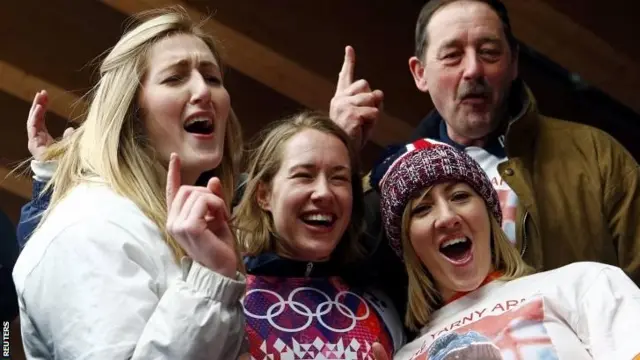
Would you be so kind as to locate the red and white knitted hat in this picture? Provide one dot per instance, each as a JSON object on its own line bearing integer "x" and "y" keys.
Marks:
{"x": 421, "y": 164}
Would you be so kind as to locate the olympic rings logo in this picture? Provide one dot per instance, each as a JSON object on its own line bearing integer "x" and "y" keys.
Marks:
{"x": 299, "y": 308}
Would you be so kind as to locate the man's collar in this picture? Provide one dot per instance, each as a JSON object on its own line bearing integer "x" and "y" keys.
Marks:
{"x": 433, "y": 125}
{"x": 522, "y": 129}
{"x": 494, "y": 146}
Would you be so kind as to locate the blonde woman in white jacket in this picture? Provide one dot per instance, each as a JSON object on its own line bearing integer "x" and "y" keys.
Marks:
{"x": 132, "y": 261}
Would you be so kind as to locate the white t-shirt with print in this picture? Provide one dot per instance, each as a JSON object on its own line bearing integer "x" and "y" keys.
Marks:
{"x": 508, "y": 198}
{"x": 584, "y": 310}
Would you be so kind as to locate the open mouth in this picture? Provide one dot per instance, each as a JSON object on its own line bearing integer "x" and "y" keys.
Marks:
{"x": 322, "y": 220}
{"x": 199, "y": 125}
{"x": 456, "y": 250}
{"x": 475, "y": 98}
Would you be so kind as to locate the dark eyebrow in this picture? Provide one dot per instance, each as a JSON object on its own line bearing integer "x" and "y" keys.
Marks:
{"x": 429, "y": 195}
{"x": 209, "y": 65}
{"x": 313, "y": 167}
{"x": 421, "y": 200}
{"x": 340, "y": 168}
{"x": 453, "y": 43}
{"x": 301, "y": 166}
{"x": 489, "y": 40}
{"x": 186, "y": 63}
{"x": 451, "y": 184}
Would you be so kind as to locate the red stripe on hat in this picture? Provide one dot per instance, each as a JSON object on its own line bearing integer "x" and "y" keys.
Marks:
{"x": 423, "y": 144}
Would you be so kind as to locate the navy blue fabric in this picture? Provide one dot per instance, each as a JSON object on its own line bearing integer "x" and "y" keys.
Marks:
{"x": 8, "y": 256}
{"x": 31, "y": 212}
{"x": 270, "y": 264}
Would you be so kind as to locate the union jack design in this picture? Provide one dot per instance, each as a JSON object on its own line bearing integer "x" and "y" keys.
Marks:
{"x": 517, "y": 334}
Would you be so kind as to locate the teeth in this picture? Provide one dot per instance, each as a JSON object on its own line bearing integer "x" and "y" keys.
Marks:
{"x": 319, "y": 217}
{"x": 452, "y": 242}
{"x": 203, "y": 119}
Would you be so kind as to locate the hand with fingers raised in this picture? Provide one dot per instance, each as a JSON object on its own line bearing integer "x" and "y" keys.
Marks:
{"x": 355, "y": 107}
{"x": 38, "y": 135}
{"x": 198, "y": 220}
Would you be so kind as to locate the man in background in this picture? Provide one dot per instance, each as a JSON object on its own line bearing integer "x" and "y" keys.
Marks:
{"x": 568, "y": 192}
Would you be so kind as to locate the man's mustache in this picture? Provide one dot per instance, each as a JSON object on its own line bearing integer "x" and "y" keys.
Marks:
{"x": 475, "y": 89}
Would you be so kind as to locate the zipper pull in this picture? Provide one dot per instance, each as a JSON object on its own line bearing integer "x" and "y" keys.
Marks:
{"x": 309, "y": 268}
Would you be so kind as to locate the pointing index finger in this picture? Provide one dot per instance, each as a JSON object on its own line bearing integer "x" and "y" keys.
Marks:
{"x": 345, "y": 78}
{"x": 173, "y": 178}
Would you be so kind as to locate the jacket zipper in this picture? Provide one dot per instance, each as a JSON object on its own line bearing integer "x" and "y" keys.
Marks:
{"x": 309, "y": 268}
{"x": 524, "y": 233}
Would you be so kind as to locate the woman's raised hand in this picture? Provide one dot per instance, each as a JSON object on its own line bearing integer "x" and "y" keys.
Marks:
{"x": 198, "y": 220}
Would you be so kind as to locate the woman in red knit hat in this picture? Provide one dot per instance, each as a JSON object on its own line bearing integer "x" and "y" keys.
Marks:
{"x": 470, "y": 293}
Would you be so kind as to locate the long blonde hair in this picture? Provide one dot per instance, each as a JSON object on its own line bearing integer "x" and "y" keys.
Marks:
{"x": 111, "y": 142}
{"x": 423, "y": 296}
{"x": 256, "y": 233}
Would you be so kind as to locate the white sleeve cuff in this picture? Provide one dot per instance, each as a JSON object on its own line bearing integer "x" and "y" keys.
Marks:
{"x": 43, "y": 170}
{"x": 215, "y": 286}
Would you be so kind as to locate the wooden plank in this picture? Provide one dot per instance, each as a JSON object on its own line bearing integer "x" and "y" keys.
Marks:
{"x": 15, "y": 183}
{"x": 615, "y": 23}
{"x": 58, "y": 40}
{"x": 380, "y": 31}
{"x": 22, "y": 85}
{"x": 16, "y": 82}
{"x": 576, "y": 48}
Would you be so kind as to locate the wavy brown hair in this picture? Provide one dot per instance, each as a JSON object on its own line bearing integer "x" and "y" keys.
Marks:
{"x": 255, "y": 229}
